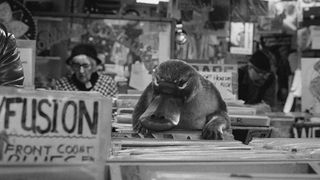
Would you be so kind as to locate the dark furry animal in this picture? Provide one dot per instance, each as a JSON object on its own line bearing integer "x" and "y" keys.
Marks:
{"x": 180, "y": 98}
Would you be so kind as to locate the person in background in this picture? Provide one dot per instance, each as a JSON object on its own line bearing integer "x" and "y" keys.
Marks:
{"x": 257, "y": 83}
{"x": 83, "y": 63}
{"x": 11, "y": 70}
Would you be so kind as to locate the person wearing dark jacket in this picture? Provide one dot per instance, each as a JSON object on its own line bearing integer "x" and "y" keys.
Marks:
{"x": 257, "y": 84}
{"x": 11, "y": 70}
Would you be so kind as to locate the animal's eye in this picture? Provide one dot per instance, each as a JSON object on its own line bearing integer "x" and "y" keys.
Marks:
{"x": 156, "y": 81}
{"x": 182, "y": 84}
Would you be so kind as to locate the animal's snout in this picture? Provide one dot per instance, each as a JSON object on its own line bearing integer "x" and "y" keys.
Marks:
{"x": 162, "y": 114}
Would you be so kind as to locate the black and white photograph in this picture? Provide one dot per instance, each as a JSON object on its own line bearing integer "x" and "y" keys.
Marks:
{"x": 159, "y": 89}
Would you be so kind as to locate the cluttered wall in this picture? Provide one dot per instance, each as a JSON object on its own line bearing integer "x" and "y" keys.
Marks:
{"x": 134, "y": 37}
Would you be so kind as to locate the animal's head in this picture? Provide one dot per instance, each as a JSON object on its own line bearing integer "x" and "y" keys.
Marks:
{"x": 174, "y": 84}
{"x": 176, "y": 78}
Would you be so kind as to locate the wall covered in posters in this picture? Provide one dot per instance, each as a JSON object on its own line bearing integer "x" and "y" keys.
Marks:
{"x": 123, "y": 44}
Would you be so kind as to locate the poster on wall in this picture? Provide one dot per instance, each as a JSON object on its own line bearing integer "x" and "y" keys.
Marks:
{"x": 241, "y": 38}
{"x": 306, "y": 5}
{"x": 310, "y": 98}
{"x": 308, "y": 38}
{"x": 283, "y": 15}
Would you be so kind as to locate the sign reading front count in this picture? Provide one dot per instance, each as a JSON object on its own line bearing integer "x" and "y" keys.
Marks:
{"x": 52, "y": 127}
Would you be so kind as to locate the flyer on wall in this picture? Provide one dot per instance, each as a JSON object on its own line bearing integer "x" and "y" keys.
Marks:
{"x": 241, "y": 38}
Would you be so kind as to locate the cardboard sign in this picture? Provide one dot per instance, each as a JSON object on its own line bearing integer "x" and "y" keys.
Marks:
{"x": 225, "y": 82}
{"x": 53, "y": 126}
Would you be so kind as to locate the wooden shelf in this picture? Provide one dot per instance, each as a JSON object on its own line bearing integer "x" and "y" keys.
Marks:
{"x": 54, "y": 15}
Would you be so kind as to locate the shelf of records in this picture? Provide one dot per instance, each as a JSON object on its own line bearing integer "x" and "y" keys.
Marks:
{"x": 63, "y": 135}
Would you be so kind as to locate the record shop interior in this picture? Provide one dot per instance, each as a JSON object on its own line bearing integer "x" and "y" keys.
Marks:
{"x": 159, "y": 89}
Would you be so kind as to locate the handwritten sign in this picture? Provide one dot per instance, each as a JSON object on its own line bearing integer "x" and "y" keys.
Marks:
{"x": 52, "y": 126}
{"x": 215, "y": 67}
{"x": 225, "y": 82}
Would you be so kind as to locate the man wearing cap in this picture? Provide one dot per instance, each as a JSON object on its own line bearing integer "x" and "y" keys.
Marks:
{"x": 257, "y": 85}
{"x": 85, "y": 77}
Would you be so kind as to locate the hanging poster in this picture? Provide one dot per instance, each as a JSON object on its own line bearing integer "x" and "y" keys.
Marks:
{"x": 241, "y": 38}
{"x": 308, "y": 38}
{"x": 283, "y": 16}
{"x": 310, "y": 97}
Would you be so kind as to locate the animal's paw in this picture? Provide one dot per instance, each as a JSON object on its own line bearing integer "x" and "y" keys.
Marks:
{"x": 214, "y": 129}
{"x": 141, "y": 130}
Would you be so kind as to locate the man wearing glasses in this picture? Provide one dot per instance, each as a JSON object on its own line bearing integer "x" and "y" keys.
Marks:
{"x": 257, "y": 84}
{"x": 83, "y": 63}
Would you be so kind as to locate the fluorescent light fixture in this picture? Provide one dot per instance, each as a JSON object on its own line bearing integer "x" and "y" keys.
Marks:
{"x": 151, "y": 1}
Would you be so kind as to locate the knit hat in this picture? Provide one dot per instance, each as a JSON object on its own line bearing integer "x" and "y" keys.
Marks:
{"x": 260, "y": 60}
{"x": 84, "y": 49}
